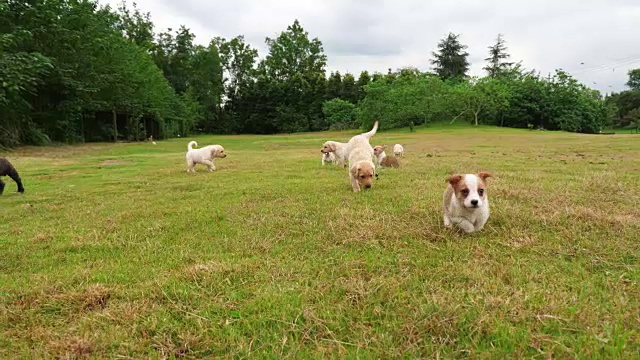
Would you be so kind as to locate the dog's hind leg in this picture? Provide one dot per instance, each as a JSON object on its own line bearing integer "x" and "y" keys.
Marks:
{"x": 190, "y": 167}
{"x": 1, "y": 186}
{"x": 13, "y": 174}
{"x": 209, "y": 164}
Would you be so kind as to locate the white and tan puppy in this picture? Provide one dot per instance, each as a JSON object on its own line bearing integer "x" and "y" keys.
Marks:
{"x": 465, "y": 202}
{"x": 362, "y": 170}
{"x": 398, "y": 150}
{"x": 204, "y": 156}
{"x": 329, "y": 157}
{"x": 340, "y": 150}
{"x": 383, "y": 159}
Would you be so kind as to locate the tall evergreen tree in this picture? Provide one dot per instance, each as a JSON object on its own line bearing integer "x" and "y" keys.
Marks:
{"x": 498, "y": 55}
{"x": 450, "y": 62}
{"x": 349, "y": 89}
{"x": 363, "y": 80}
{"x": 334, "y": 86}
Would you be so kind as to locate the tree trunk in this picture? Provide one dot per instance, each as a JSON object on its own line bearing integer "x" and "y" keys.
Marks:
{"x": 115, "y": 125}
{"x": 455, "y": 118}
{"x": 82, "y": 127}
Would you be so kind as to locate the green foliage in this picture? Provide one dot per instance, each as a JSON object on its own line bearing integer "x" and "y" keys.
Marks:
{"x": 634, "y": 79}
{"x": 340, "y": 114}
{"x": 73, "y": 71}
{"x": 484, "y": 97}
{"x": 496, "y": 62}
{"x": 410, "y": 98}
{"x": 450, "y": 61}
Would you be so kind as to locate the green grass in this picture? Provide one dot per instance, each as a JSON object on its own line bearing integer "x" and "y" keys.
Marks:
{"x": 114, "y": 250}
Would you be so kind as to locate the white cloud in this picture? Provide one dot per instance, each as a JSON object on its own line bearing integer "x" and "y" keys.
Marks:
{"x": 376, "y": 35}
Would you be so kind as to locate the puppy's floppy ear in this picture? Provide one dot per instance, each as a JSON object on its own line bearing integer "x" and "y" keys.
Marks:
{"x": 355, "y": 170}
{"x": 484, "y": 175}
{"x": 332, "y": 147}
{"x": 454, "y": 179}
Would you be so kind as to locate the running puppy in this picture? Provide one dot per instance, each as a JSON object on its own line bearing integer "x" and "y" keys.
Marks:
{"x": 465, "y": 202}
{"x": 329, "y": 157}
{"x": 398, "y": 150}
{"x": 383, "y": 159}
{"x": 6, "y": 169}
{"x": 204, "y": 156}
{"x": 361, "y": 167}
{"x": 338, "y": 149}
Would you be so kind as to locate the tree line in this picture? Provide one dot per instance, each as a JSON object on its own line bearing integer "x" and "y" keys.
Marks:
{"x": 75, "y": 71}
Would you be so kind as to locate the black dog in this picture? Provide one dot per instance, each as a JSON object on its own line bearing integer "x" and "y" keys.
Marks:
{"x": 6, "y": 169}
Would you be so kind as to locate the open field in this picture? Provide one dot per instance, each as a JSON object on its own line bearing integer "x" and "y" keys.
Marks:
{"x": 114, "y": 250}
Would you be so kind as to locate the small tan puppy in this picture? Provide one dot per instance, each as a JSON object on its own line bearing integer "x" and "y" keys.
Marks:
{"x": 362, "y": 170}
{"x": 383, "y": 159}
{"x": 338, "y": 149}
{"x": 398, "y": 150}
{"x": 329, "y": 157}
{"x": 204, "y": 156}
{"x": 465, "y": 202}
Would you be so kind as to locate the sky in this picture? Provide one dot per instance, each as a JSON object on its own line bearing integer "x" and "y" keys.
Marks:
{"x": 595, "y": 40}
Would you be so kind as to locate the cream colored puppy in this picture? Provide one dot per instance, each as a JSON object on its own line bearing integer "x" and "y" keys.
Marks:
{"x": 398, "y": 150}
{"x": 465, "y": 202}
{"x": 329, "y": 157}
{"x": 361, "y": 167}
{"x": 204, "y": 156}
{"x": 339, "y": 149}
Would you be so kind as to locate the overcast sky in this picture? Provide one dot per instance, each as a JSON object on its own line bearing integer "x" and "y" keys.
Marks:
{"x": 376, "y": 35}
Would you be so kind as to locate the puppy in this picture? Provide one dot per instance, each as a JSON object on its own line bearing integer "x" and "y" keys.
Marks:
{"x": 465, "y": 202}
{"x": 361, "y": 167}
{"x": 383, "y": 159}
{"x": 204, "y": 156}
{"x": 329, "y": 157}
{"x": 398, "y": 150}
{"x": 6, "y": 169}
{"x": 339, "y": 149}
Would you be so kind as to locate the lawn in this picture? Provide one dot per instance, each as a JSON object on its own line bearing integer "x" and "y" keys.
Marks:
{"x": 115, "y": 251}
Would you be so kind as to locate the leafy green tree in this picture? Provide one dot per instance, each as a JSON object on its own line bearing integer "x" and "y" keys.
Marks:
{"x": 205, "y": 85}
{"x": 481, "y": 97}
{"x": 340, "y": 114}
{"x": 349, "y": 89}
{"x": 293, "y": 64}
{"x": 450, "y": 61}
{"x": 173, "y": 54}
{"x": 407, "y": 99}
{"x": 136, "y": 26}
{"x": 363, "y": 80}
{"x": 634, "y": 79}
{"x": 292, "y": 52}
{"x": 497, "y": 63}
{"x": 633, "y": 120}
{"x": 334, "y": 86}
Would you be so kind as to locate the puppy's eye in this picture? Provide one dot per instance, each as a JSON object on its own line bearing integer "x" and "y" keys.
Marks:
{"x": 465, "y": 192}
{"x": 481, "y": 192}
{"x": 362, "y": 176}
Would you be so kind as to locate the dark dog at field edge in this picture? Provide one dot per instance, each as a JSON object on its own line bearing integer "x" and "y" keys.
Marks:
{"x": 6, "y": 169}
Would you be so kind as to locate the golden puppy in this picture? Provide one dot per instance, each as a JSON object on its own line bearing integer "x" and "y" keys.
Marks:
{"x": 362, "y": 170}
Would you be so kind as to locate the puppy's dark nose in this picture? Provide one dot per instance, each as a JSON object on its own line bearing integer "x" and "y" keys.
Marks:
{"x": 368, "y": 186}
{"x": 474, "y": 202}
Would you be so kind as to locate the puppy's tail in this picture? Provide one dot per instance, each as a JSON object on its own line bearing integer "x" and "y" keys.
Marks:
{"x": 191, "y": 145}
{"x": 373, "y": 131}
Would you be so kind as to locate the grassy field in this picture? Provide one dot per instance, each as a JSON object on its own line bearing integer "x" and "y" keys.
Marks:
{"x": 115, "y": 251}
